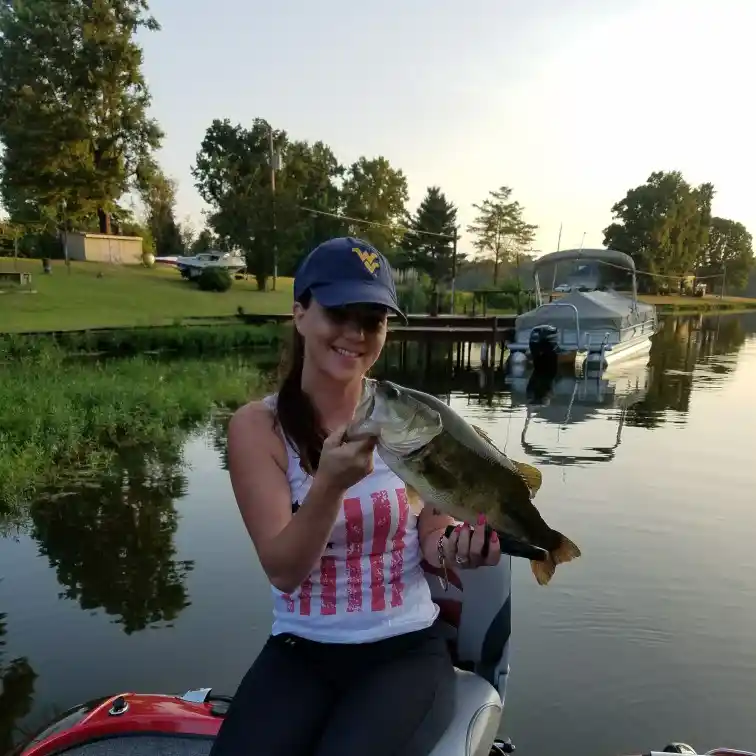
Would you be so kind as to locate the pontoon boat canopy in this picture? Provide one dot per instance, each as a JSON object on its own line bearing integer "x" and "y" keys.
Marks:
{"x": 608, "y": 255}
{"x": 597, "y": 310}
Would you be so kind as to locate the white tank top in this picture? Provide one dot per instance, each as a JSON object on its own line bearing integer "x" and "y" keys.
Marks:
{"x": 369, "y": 583}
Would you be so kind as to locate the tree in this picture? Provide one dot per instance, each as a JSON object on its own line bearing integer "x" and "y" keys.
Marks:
{"x": 728, "y": 251}
{"x": 233, "y": 175}
{"x": 73, "y": 108}
{"x": 499, "y": 228}
{"x": 229, "y": 173}
{"x": 204, "y": 242}
{"x": 306, "y": 181}
{"x": 374, "y": 191}
{"x": 663, "y": 225}
{"x": 159, "y": 197}
{"x": 431, "y": 253}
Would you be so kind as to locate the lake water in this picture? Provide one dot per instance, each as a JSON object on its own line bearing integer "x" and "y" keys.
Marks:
{"x": 146, "y": 580}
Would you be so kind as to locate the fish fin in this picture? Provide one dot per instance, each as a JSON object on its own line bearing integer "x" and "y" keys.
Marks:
{"x": 531, "y": 474}
{"x": 544, "y": 570}
{"x": 415, "y": 501}
{"x": 485, "y": 437}
{"x": 565, "y": 552}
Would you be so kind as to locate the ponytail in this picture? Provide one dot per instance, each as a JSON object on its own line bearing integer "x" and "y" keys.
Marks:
{"x": 296, "y": 414}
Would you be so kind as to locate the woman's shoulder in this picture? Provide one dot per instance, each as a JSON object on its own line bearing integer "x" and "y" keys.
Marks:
{"x": 254, "y": 425}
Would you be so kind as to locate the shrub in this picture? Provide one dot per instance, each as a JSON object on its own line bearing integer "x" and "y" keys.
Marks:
{"x": 214, "y": 279}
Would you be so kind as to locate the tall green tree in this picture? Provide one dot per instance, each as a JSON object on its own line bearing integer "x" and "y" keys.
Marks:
{"x": 73, "y": 108}
{"x": 233, "y": 175}
{"x": 499, "y": 228}
{"x": 159, "y": 197}
{"x": 204, "y": 242}
{"x": 374, "y": 191}
{"x": 307, "y": 201}
{"x": 429, "y": 242}
{"x": 663, "y": 225}
{"x": 728, "y": 251}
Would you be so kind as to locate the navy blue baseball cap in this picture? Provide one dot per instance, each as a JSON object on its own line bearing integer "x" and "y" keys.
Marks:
{"x": 344, "y": 271}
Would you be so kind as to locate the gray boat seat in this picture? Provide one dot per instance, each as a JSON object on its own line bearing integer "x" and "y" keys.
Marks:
{"x": 476, "y": 616}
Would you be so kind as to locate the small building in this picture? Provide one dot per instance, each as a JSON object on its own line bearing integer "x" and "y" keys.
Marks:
{"x": 109, "y": 248}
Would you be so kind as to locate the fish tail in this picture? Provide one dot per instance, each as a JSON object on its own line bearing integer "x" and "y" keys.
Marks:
{"x": 544, "y": 570}
{"x": 564, "y": 551}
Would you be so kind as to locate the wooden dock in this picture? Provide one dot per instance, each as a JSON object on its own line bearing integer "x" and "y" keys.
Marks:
{"x": 460, "y": 332}
{"x": 455, "y": 328}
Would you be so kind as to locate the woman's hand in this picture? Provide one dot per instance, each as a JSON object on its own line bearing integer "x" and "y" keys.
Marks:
{"x": 463, "y": 549}
{"x": 345, "y": 463}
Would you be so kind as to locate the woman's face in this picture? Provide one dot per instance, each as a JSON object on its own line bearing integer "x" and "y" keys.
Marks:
{"x": 342, "y": 342}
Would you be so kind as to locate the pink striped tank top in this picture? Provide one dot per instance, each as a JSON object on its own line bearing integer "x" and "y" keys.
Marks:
{"x": 369, "y": 583}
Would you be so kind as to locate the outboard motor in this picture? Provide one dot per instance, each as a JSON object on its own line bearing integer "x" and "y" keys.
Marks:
{"x": 544, "y": 348}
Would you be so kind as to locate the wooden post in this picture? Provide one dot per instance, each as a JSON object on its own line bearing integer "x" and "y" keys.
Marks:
{"x": 494, "y": 340}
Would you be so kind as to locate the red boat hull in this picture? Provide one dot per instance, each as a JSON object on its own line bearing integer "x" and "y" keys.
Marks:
{"x": 127, "y": 714}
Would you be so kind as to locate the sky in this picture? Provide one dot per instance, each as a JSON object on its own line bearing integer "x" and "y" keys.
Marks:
{"x": 568, "y": 102}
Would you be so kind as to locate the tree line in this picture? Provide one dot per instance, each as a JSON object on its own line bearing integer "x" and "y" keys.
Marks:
{"x": 667, "y": 227}
{"x": 78, "y": 142}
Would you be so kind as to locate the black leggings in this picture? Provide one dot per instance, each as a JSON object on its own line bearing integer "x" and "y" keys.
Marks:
{"x": 300, "y": 698}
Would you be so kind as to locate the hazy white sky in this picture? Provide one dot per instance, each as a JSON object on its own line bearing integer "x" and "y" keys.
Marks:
{"x": 570, "y": 102}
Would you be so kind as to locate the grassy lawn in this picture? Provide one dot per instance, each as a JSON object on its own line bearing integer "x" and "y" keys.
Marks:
{"x": 123, "y": 296}
{"x": 705, "y": 301}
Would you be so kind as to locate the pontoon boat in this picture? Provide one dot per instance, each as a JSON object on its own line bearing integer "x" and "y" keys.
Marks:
{"x": 590, "y": 328}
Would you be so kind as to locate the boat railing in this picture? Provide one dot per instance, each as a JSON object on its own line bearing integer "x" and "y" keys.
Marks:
{"x": 577, "y": 316}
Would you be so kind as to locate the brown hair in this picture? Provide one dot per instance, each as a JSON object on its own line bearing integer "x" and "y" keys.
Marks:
{"x": 296, "y": 414}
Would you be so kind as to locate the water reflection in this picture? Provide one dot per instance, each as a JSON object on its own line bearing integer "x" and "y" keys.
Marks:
{"x": 109, "y": 542}
{"x": 562, "y": 400}
{"x": 663, "y": 381}
{"x": 682, "y": 344}
{"x": 110, "y": 539}
{"x": 16, "y": 690}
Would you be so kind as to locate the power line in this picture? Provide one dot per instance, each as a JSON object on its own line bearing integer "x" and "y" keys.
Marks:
{"x": 657, "y": 275}
{"x": 375, "y": 223}
{"x": 451, "y": 238}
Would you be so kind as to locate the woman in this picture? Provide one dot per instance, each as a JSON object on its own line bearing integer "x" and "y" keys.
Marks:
{"x": 355, "y": 663}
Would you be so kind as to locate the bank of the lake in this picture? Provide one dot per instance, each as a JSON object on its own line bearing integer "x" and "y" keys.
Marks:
{"x": 92, "y": 295}
{"x": 188, "y": 340}
{"x": 59, "y": 415}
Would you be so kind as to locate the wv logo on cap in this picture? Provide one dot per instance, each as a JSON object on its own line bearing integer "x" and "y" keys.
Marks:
{"x": 369, "y": 259}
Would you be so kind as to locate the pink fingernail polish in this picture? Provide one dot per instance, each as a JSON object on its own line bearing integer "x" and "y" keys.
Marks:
{"x": 481, "y": 519}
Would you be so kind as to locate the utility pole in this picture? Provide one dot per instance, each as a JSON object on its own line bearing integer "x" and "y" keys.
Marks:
{"x": 454, "y": 268}
{"x": 724, "y": 279}
{"x": 556, "y": 265}
{"x": 273, "y": 204}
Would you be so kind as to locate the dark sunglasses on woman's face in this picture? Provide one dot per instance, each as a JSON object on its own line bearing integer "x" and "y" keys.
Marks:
{"x": 367, "y": 318}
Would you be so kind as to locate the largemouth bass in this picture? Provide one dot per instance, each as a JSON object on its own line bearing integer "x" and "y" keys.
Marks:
{"x": 455, "y": 467}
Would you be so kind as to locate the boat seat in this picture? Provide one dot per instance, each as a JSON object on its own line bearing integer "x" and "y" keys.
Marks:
{"x": 476, "y": 618}
{"x": 478, "y": 710}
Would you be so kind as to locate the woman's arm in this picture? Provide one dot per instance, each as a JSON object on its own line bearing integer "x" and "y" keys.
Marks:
{"x": 288, "y": 546}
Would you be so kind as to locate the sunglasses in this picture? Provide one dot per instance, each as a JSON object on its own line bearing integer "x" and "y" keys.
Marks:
{"x": 368, "y": 318}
